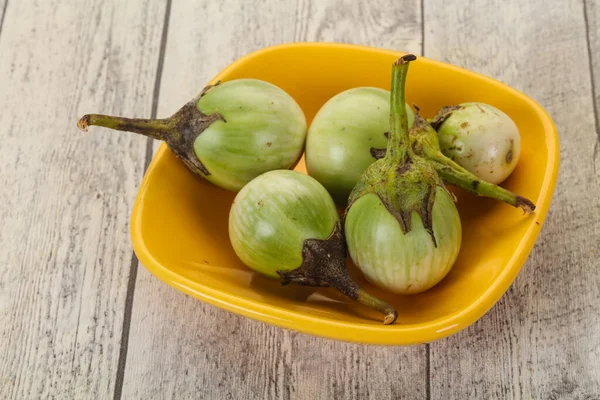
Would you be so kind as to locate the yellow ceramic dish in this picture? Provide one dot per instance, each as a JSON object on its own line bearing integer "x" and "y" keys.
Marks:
{"x": 179, "y": 222}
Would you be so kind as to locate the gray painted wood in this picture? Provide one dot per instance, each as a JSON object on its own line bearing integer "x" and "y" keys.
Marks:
{"x": 198, "y": 51}
{"x": 3, "y": 5}
{"x": 592, "y": 9}
{"x": 66, "y": 199}
{"x": 66, "y": 196}
{"x": 182, "y": 348}
{"x": 542, "y": 340}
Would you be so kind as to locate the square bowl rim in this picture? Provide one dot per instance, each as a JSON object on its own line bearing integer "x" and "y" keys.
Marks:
{"x": 396, "y": 334}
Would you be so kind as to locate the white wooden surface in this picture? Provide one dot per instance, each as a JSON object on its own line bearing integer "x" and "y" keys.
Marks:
{"x": 592, "y": 13}
{"x": 2, "y": 9}
{"x": 75, "y": 324}
{"x": 542, "y": 340}
{"x": 269, "y": 362}
{"x": 66, "y": 196}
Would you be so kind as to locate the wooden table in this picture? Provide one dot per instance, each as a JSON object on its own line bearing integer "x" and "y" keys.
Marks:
{"x": 79, "y": 318}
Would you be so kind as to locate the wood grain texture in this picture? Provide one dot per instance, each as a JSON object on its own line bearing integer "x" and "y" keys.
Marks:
{"x": 542, "y": 340}
{"x": 592, "y": 13}
{"x": 65, "y": 195}
{"x": 229, "y": 29}
{"x": 182, "y": 348}
{"x": 3, "y": 5}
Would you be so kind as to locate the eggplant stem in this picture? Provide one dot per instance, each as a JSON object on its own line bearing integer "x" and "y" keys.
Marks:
{"x": 345, "y": 285}
{"x": 179, "y": 131}
{"x": 391, "y": 315}
{"x": 155, "y": 128}
{"x": 324, "y": 264}
{"x": 397, "y": 145}
{"x": 454, "y": 174}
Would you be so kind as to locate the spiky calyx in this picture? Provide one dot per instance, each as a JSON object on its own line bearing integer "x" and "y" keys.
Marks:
{"x": 403, "y": 189}
{"x": 424, "y": 143}
{"x": 404, "y": 181}
{"x": 442, "y": 115}
{"x": 178, "y": 131}
{"x": 324, "y": 264}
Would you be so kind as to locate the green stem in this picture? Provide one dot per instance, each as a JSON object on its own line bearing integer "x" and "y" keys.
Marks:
{"x": 454, "y": 174}
{"x": 398, "y": 144}
{"x": 386, "y": 309}
{"x": 324, "y": 264}
{"x": 159, "y": 129}
{"x": 179, "y": 131}
{"x": 345, "y": 285}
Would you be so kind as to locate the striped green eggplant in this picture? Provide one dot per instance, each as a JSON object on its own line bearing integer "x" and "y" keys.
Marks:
{"x": 346, "y": 135}
{"x": 284, "y": 225}
{"x": 229, "y": 134}
{"x": 402, "y": 228}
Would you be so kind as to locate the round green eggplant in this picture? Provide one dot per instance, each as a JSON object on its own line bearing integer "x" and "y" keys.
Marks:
{"x": 229, "y": 134}
{"x": 345, "y": 134}
{"x": 274, "y": 215}
{"x": 402, "y": 228}
{"x": 482, "y": 139}
{"x": 403, "y": 263}
{"x": 284, "y": 224}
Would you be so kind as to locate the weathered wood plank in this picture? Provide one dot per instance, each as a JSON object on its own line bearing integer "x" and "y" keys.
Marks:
{"x": 66, "y": 196}
{"x": 229, "y": 29}
{"x": 592, "y": 14}
{"x": 3, "y": 5}
{"x": 182, "y": 348}
{"x": 542, "y": 340}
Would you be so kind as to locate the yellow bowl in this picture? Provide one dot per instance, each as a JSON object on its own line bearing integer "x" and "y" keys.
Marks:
{"x": 179, "y": 222}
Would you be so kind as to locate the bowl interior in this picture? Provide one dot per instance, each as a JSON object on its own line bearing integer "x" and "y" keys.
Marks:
{"x": 179, "y": 224}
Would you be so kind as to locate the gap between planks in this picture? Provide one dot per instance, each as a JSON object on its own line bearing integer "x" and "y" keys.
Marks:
{"x": 134, "y": 260}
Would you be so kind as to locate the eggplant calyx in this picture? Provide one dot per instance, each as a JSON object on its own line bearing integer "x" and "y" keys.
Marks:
{"x": 178, "y": 131}
{"x": 188, "y": 123}
{"x": 377, "y": 153}
{"x": 420, "y": 134}
{"x": 442, "y": 115}
{"x": 425, "y": 143}
{"x": 324, "y": 264}
{"x": 403, "y": 188}
{"x": 454, "y": 174}
{"x": 403, "y": 180}
{"x": 206, "y": 90}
